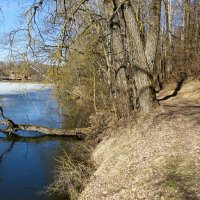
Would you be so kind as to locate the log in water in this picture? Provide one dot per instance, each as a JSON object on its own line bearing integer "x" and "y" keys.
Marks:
{"x": 26, "y": 165}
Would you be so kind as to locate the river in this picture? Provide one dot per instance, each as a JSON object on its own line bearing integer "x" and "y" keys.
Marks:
{"x": 26, "y": 167}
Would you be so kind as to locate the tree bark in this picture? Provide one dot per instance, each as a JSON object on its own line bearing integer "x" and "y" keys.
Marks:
{"x": 142, "y": 71}
{"x": 168, "y": 49}
{"x": 122, "y": 85}
{"x": 128, "y": 50}
{"x": 153, "y": 34}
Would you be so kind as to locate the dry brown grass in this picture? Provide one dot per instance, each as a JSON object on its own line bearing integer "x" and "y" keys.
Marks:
{"x": 72, "y": 173}
{"x": 156, "y": 159}
{"x": 159, "y": 158}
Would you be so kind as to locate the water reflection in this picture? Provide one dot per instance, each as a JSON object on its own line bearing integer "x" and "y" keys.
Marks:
{"x": 26, "y": 165}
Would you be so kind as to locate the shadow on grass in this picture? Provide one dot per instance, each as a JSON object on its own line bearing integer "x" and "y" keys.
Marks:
{"x": 181, "y": 180}
{"x": 177, "y": 89}
{"x": 176, "y": 182}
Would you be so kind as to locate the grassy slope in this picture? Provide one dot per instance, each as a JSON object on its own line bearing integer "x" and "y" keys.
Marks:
{"x": 159, "y": 158}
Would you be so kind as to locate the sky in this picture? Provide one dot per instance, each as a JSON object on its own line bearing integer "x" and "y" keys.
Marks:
{"x": 10, "y": 17}
{"x": 9, "y": 20}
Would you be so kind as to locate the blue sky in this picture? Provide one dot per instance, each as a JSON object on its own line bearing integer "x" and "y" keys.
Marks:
{"x": 12, "y": 11}
{"x": 9, "y": 20}
{"x": 9, "y": 16}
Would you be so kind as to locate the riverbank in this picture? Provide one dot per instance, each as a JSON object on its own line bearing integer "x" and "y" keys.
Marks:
{"x": 157, "y": 158}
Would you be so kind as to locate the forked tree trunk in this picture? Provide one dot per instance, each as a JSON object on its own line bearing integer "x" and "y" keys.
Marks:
{"x": 142, "y": 71}
{"x": 129, "y": 50}
{"x": 119, "y": 57}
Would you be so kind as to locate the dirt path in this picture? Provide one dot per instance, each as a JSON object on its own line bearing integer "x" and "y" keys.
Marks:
{"x": 185, "y": 103}
{"x": 157, "y": 159}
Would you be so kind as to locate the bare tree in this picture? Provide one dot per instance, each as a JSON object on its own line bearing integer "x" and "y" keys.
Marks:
{"x": 135, "y": 49}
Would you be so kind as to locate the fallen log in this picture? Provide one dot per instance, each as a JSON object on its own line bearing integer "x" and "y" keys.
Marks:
{"x": 77, "y": 132}
{"x": 37, "y": 139}
{"x": 11, "y": 129}
{"x": 54, "y": 131}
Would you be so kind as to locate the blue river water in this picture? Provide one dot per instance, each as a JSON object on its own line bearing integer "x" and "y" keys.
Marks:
{"x": 26, "y": 166}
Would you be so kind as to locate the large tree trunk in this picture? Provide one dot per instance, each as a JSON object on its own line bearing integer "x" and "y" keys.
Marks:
{"x": 128, "y": 51}
{"x": 119, "y": 57}
{"x": 142, "y": 71}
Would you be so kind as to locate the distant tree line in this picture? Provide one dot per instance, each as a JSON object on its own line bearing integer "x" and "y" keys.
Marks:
{"x": 22, "y": 71}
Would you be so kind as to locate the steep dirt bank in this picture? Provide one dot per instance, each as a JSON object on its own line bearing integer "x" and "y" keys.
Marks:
{"x": 159, "y": 158}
